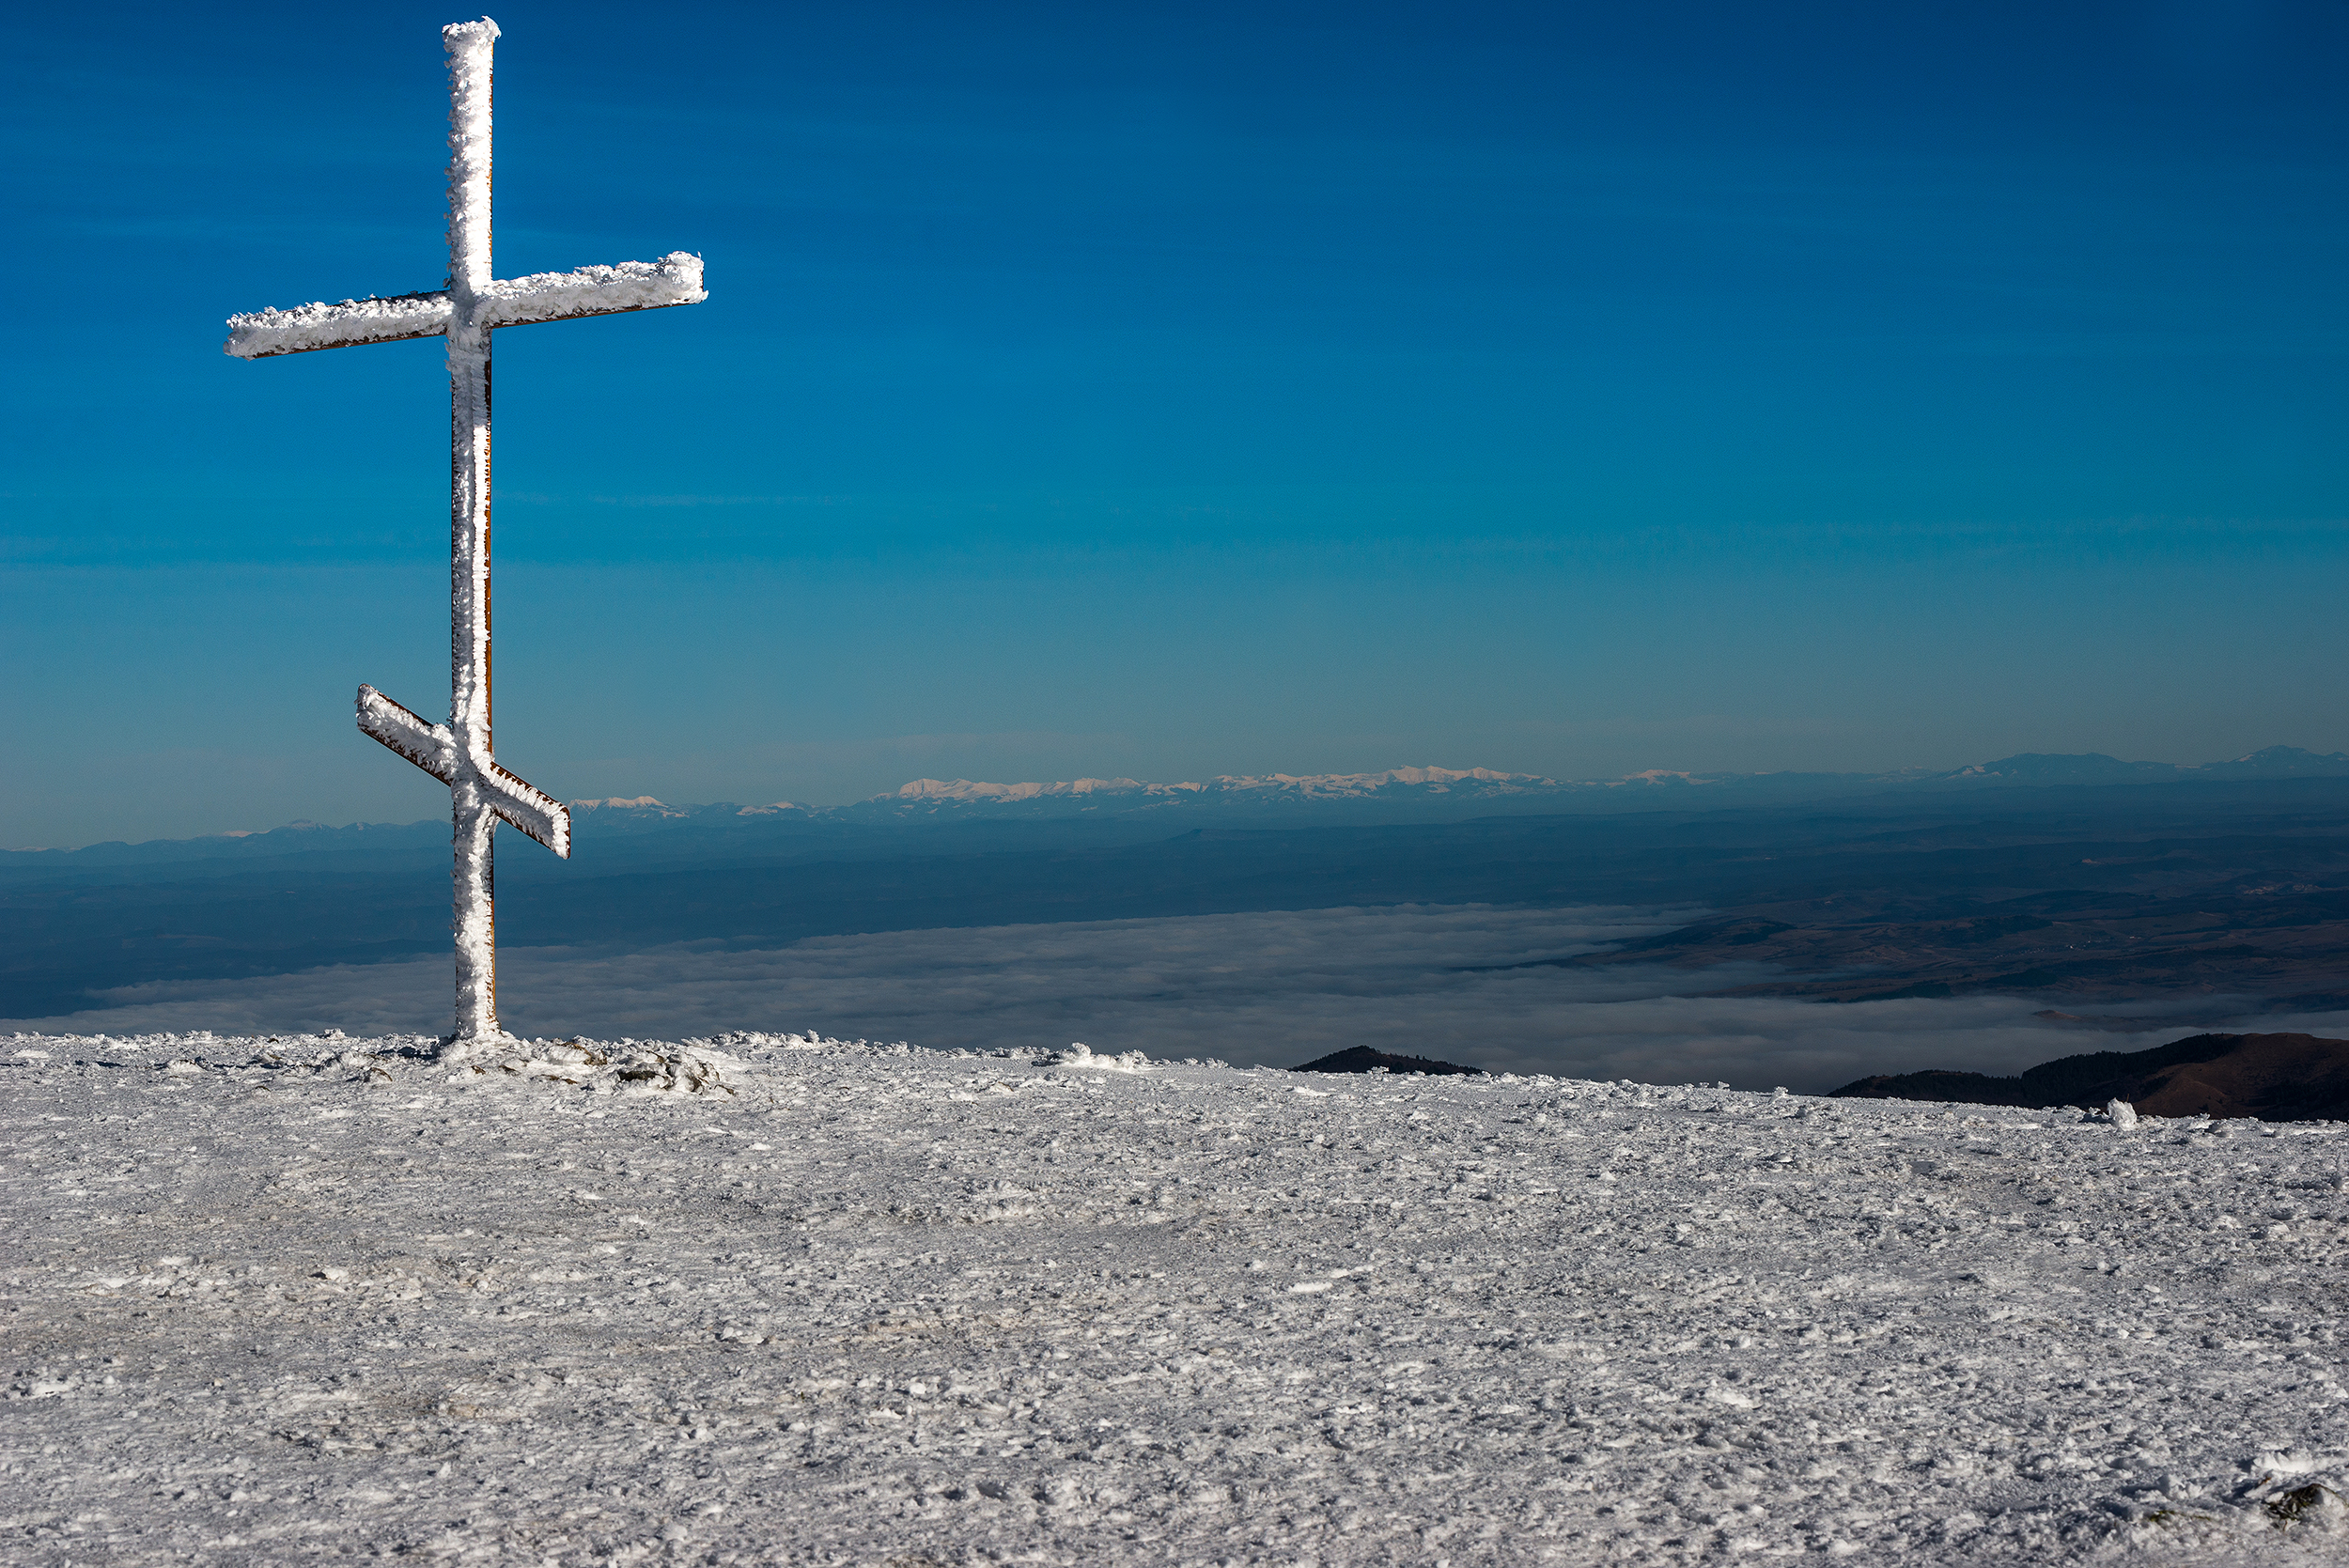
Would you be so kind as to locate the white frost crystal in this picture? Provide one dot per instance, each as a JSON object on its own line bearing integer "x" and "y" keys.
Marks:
{"x": 2123, "y": 1114}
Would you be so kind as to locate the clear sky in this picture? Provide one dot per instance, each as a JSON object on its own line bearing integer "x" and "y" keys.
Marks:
{"x": 1183, "y": 389}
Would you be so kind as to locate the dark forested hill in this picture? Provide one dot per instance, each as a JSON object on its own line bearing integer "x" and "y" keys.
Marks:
{"x": 2273, "y": 1077}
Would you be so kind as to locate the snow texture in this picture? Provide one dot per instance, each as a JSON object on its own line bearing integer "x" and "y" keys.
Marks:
{"x": 780, "y": 1299}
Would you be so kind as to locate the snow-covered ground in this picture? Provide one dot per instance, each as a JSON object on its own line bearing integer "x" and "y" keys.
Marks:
{"x": 769, "y": 1299}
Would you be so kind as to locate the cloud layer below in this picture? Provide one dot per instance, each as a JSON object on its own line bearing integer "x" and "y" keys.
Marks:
{"x": 1269, "y": 989}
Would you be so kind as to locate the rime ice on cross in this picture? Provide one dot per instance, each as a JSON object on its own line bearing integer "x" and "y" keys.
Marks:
{"x": 474, "y": 303}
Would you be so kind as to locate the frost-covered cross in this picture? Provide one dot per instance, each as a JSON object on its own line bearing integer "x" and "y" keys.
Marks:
{"x": 475, "y": 303}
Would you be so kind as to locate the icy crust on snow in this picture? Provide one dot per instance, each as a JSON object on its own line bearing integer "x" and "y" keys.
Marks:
{"x": 283, "y": 1299}
{"x": 676, "y": 279}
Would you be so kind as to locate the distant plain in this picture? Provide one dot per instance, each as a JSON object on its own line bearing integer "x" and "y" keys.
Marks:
{"x": 1805, "y": 942}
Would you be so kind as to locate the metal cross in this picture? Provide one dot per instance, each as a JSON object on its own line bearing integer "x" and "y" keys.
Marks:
{"x": 473, "y": 304}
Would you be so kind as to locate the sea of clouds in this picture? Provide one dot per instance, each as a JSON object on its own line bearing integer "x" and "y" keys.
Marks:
{"x": 1274, "y": 990}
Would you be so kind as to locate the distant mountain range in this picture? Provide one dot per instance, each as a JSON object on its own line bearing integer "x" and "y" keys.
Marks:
{"x": 2198, "y": 889}
{"x": 1097, "y": 811}
{"x": 1446, "y": 794}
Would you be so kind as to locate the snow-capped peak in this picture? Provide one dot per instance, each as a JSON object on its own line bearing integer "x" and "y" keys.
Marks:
{"x": 1414, "y": 793}
{"x": 939, "y": 791}
{"x": 967, "y": 789}
{"x": 1357, "y": 784}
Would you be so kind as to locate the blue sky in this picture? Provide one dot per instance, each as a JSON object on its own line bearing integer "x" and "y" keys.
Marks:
{"x": 1184, "y": 389}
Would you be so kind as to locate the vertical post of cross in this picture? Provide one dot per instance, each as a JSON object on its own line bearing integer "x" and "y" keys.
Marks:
{"x": 474, "y": 302}
{"x": 470, "y": 46}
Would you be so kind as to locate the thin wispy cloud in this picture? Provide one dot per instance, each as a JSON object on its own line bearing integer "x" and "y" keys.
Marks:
{"x": 540, "y": 498}
{"x": 1272, "y": 988}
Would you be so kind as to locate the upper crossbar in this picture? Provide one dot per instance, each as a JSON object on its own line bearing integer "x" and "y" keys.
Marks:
{"x": 676, "y": 279}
